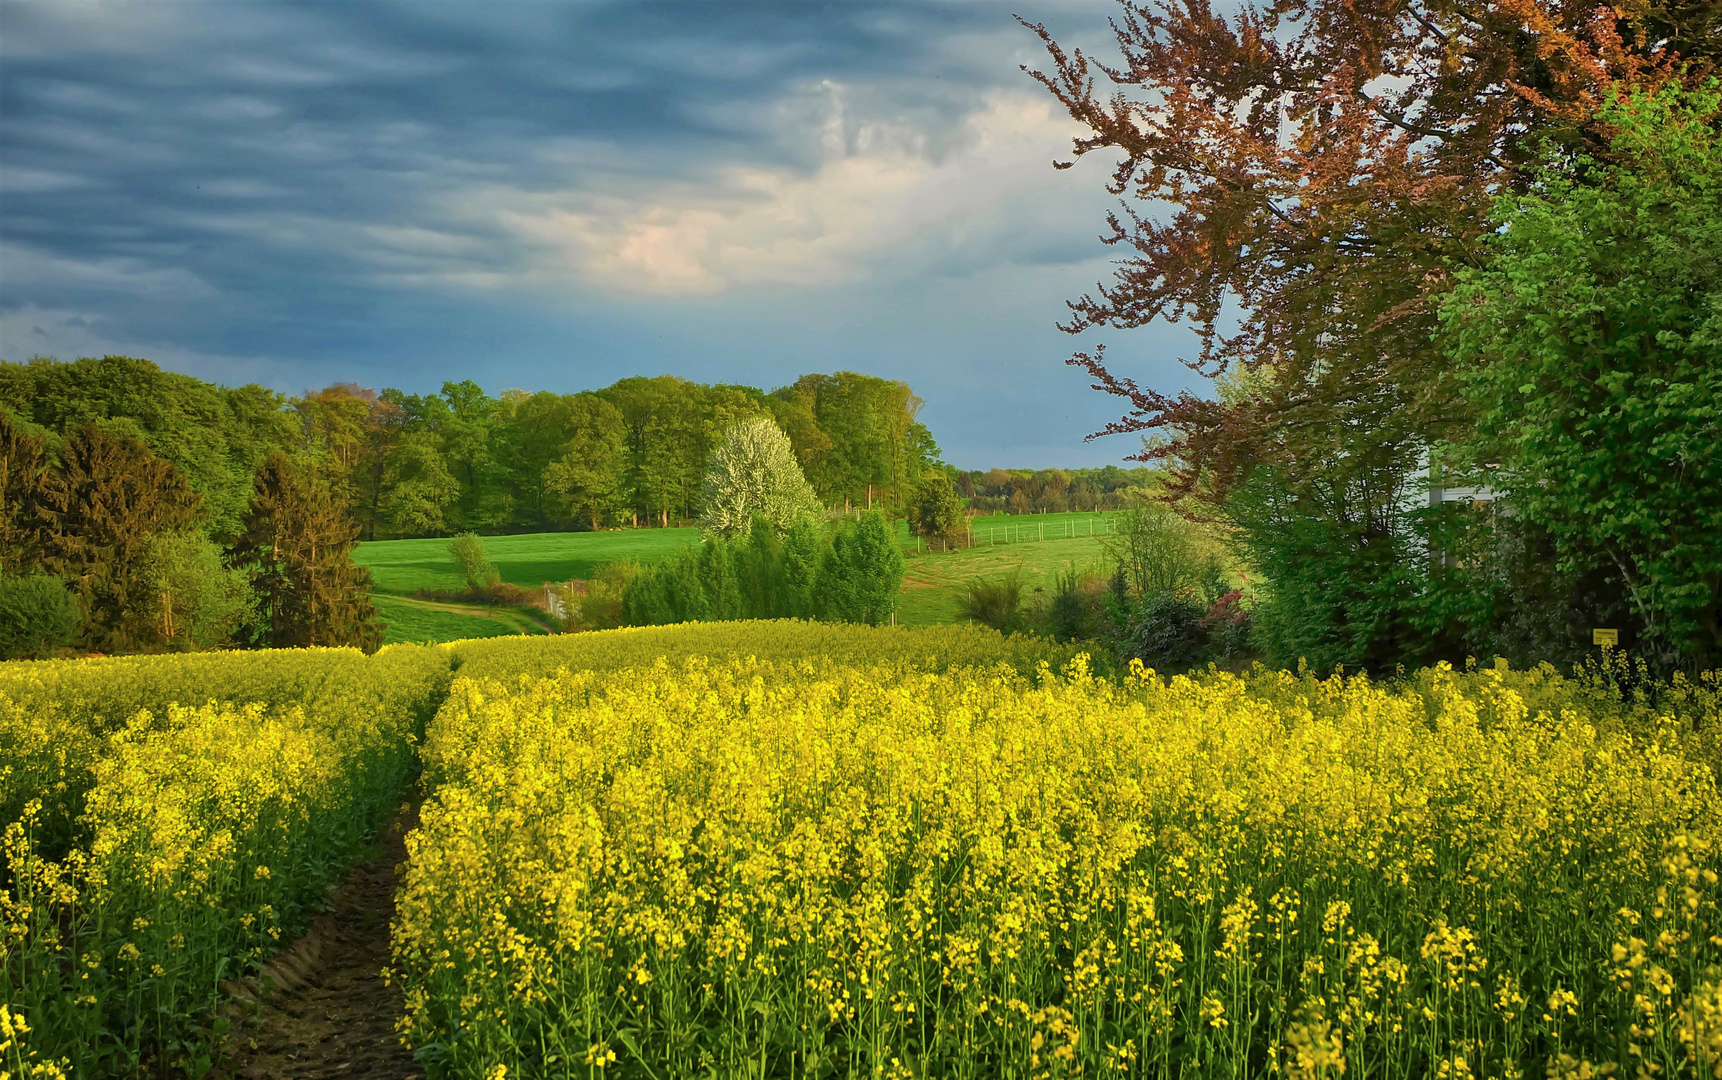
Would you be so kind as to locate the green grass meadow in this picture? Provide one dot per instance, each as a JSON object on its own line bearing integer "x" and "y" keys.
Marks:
{"x": 529, "y": 559}
{"x": 421, "y": 623}
{"x": 933, "y": 585}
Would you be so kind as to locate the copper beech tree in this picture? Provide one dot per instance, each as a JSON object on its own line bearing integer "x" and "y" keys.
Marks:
{"x": 1325, "y": 163}
{"x": 1299, "y": 179}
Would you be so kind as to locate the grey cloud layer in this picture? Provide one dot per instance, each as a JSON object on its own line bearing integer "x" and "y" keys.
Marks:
{"x": 380, "y": 189}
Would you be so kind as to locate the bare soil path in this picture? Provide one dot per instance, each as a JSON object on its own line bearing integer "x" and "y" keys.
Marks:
{"x": 329, "y": 1013}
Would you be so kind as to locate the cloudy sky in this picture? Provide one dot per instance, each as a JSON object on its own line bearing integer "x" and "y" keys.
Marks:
{"x": 556, "y": 195}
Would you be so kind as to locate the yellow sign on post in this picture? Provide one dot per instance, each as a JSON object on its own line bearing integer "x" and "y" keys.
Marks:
{"x": 1608, "y": 639}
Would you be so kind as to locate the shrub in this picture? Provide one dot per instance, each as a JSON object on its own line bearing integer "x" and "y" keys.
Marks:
{"x": 852, "y": 578}
{"x": 597, "y": 604}
{"x": 38, "y": 616}
{"x": 862, "y": 572}
{"x": 803, "y": 548}
{"x": 1078, "y": 610}
{"x": 1166, "y": 633}
{"x": 1226, "y": 627}
{"x": 474, "y": 561}
{"x": 997, "y": 604}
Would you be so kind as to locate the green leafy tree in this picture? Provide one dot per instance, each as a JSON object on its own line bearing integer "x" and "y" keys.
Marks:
{"x": 466, "y": 424}
{"x": 862, "y": 573}
{"x": 658, "y": 432}
{"x": 349, "y": 431}
{"x": 1588, "y": 344}
{"x": 198, "y": 601}
{"x": 878, "y": 449}
{"x": 1346, "y": 572}
{"x": 336, "y": 423}
{"x": 793, "y": 411}
{"x": 585, "y": 480}
{"x": 754, "y": 474}
{"x": 38, "y": 617}
{"x": 938, "y": 513}
{"x": 100, "y": 509}
{"x": 419, "y": 493}
{"x": 531, "y": 431}
{"x": 213, "y": 435}
{"x": 297, "y": 547}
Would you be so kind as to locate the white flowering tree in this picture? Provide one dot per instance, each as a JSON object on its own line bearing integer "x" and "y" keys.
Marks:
{"x": 753, "y": 472}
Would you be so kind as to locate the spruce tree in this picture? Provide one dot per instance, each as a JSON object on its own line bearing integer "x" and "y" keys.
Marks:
{"x": 802, "y": 550}
{"x": 297, "y": 545}
{"x": 862, "y": 573}
{"x": 100, "y": 509}
{"x": 23, "y": 467}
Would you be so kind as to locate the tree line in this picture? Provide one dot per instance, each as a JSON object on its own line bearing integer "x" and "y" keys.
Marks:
{"x": 1458, "y": 277}
{"x": 1050, "y": 491}
{"x": 633, "y": 453}
{"x": 460, "y": 460}
{"x": 148, "y": 510}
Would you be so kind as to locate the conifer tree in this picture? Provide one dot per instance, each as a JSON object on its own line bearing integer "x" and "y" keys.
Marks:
{"x": 297, "y": 545}
{"x": 23, "y": 467}
{"x": 100, "y": 509}
{"x": 862, "y": 573}
{"x": 802, "y": 549}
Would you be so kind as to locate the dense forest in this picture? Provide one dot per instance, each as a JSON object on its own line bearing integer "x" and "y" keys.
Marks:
{"x": 407, "y": 465}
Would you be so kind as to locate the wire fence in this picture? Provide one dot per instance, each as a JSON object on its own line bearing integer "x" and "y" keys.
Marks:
{"x": 982, "y": 534}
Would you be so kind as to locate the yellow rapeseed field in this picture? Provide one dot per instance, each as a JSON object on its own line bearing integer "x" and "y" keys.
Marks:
{"x": 933, "y": 648}
{"x": 829, "y": 868}
{"x": 165, "y": 845}
{"x": 793, "y": 850}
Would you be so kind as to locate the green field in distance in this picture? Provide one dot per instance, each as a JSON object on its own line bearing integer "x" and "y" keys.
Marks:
{"x": 933, "y": 585}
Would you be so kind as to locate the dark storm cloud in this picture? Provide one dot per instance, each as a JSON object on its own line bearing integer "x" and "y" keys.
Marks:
{"x": 397, "y": 192}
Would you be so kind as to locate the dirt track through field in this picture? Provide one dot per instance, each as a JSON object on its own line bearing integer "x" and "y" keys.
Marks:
{"x": 329, "y": 1014}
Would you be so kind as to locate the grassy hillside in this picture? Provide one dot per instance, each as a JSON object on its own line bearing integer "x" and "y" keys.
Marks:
{"x": 421, "y": 621}
{"x": 934, "y": 582}
{"x": 530, "y": 559}
{"x": 932, "y": 587}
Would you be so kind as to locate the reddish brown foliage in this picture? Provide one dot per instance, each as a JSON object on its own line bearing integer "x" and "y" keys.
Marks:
{"x": 1324, "y": 163}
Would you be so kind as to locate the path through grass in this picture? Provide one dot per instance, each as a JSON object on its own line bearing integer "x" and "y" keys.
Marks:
{"x": 421, "y": 621}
